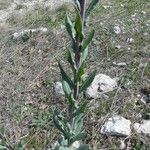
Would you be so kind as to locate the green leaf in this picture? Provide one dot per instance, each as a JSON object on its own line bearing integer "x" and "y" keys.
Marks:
{"x": 60, "y": 124}
{"x": 84, "y": 55}
{"x": 71, "y": 60}
{"x": 87, "y": 82}
{"x": 65, "y": 77}
{"x": 90, "y": 7}
{"x": 66, "y": 88}
{"x": 18, "y": 146}
{"x": 77, "y": 124}
{"x": 71, "y": 101}
{"x": 77, "y": 4}
{"x": 88, "y": 40}
{"x": 78, "y": 26}
{"x": 81, "y": 109}
{"x": 78, "y": 137}
{"x": 70, "y": 27}
{"x": 83, "y": 147}
{"x": 80, "y": 73}
{"x": 65, "y": 148}
{"x": 3, "y": 147}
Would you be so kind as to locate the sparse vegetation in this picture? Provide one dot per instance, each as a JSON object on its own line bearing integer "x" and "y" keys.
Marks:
{"x": 28, "y": 71}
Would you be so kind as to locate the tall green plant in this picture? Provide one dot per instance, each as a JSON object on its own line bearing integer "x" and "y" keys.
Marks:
{"x": 71, "y": 126}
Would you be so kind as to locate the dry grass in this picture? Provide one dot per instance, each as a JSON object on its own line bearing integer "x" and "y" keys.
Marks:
{"x": 29, "y": 69}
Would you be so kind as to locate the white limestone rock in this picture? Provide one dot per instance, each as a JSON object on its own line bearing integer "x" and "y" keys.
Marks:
{"x": 144, "y": 127}
{"x": 121, "y": 64}
{"x": 130, "y": 40}
{"x": 117, "y": 29}
{"x": 117, "y": 125}
{"x": 59, "y": 89}
{"x": 100, "y": 85}
{"x": 76, "y": 144}
{"x": 18, "y": 35}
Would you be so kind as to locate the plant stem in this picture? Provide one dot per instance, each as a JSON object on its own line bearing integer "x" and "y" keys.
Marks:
{"x": 77, "y": 50}
{"x": 82, "y": 11}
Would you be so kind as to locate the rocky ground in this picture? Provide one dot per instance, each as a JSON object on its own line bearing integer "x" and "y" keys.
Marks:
{"x": 33, "y": 38}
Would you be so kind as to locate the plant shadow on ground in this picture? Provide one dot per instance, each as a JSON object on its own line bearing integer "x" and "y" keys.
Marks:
{"x": 29, "y": 70}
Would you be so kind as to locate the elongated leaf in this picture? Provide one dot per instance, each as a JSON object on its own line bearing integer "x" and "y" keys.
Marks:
{"x": 88, "y": 40}
{"x": 77, "y": 4}
{"x": 80, "y": 72}
{"x": 3, "y": 147}
{"x": 87, "y": 82}
{"x": 70, "y": 27}
{"x": 84, "y": 55}
{"x": 65, "y": 77}
{"x": 78, "y": 137}
{"x": 81, "y": 109}
{"x": 66, "y": 88}
{"x": 71, "y": 101}
{"x": 77, "y": 124}
{"x": 90, "y": 7}
{"x": 83, "y": 147}
{"x": 78, "y": 26}
{"x": 65, "y": 148}
{"x": 60, "y": 125}
{"x": 71, "y": 61}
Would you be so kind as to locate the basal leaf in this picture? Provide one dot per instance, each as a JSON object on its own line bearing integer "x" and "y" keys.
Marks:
{"x": 60, "y": 125}
{"x": 3, "y": 147}
{"x": 87, "y": 82}
{"x": 83, "y": 147}
{"x": 78, "y": 137}
{"x": 77, "y": 124}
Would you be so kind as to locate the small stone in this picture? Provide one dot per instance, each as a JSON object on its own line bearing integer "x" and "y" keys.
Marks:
{"x": 18, "y": 35}
{"x": 134, "y": 15}
{"x": 121, "y": 64}
{"x": 43, "y": 30}
{"x": 122, "y": 145}
{"x": 122, "y": 5}
{"x": 117, "y": 125}
{"x": 100, "y": 85}
{"x": 106, "y": 6}
{"x": 117, "y": 29}
{"x": 118, "y": 46}
{"x": 130, "y": 40}
{"x": 76, "y": 144}
{"x": 144, "y": 127}
{"x": 59, "y": 88}
{"x": 143, "y": 12}
{"x": 129, "y": 48}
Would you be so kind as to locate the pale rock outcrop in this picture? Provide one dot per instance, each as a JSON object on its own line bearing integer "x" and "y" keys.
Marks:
{"x": 144, "y": 127}
{"x": 101, "y": 84}
{"x": 117, "y": 125}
